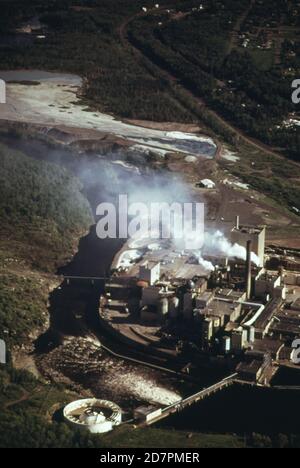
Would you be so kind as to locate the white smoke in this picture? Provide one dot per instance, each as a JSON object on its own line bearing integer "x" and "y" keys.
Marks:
{"x": 208, "y": 266}
{"x": 217, "y": 244}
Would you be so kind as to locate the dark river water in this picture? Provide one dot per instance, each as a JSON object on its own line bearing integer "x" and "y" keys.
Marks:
{"x": 242, "y": 409}
{"x": 238, "y": 409}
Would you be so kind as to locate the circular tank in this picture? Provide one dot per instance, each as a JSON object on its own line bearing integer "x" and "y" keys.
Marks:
{"x": 163, "y": 306}
{"x": 190, "y": 285}
{"x": 96, "y": 416}
{"x": 174, "y": 307}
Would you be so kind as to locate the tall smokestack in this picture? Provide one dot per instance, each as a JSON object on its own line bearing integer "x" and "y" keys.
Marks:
{"x": 248, "y": 270}
{"x": 237, "y": 223}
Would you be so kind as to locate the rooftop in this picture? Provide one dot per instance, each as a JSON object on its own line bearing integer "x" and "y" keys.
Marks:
{"x": 244, "y": 229}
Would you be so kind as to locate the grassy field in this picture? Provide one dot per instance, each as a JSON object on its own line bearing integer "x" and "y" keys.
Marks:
{"x": 158, "y": 438}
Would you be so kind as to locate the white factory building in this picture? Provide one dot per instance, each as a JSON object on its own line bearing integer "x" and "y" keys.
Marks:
{"x": 150, "y": 272}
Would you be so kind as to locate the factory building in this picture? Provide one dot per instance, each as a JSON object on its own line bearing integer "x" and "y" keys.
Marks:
{"x": 239, "y": 339}
{"x": 146, "y": 413}
{"x": 226, "y": 344}
{"x": 151, "y": 295}
{"x": 269, "y": 285}
{"x": 265, "y": 319}
{"x": 268, "y": 345}
{"x": 203, "y": 300}
{"x": 156, "y": 303}
{"x": 230, "y": 294}
{"x": 207, "y": 184}
{"x": 150, "y": 272}
{"x": 207, "y": 331}
{"x": 255, "y": 366}
{"x": 241, "y": 234}
{"x": 188, "y": 304}
{"x": 215, "y": 317}
{"x": 286, "y": 322}
{"x": 292, "y": 279}
{"x": 227, "y": 311}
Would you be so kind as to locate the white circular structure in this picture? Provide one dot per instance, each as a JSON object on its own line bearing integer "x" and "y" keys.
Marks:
{"x": 96, "y": 416}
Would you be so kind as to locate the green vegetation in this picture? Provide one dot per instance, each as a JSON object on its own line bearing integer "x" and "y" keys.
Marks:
{"x": 86, "y": 41}
{"x": 250, "y": 86}
{"x": 231, "y": 80}
{"x": 25, "y": 418}
{"x": 42, "y": 210}
{"x": 42, "y": 215}
{"x": 31, "y": 417}
{"x": 33, "y": 190}
{"x": 269, "y": 175}
{"x": 162, "y": 438}
{"x": 23, "y": 306}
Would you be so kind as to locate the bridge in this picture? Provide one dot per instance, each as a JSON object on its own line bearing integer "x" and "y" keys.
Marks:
{"x": 91, "y": 279}
{"x": 182, "y": 404}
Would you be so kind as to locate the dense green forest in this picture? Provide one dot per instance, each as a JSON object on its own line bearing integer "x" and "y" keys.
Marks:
{"x": 42, "y": 214}
{"x": 233, "y": 81}
{"x": 86, "y": 41}
{"x": 31, "y": 191}
{"x": 248, "y": 86}
{"x": 42, "y": 210}
{"x": 23, "y": 307}
{"x": 24, "y": 409}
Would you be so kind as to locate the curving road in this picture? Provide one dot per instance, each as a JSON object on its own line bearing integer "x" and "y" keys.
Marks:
{"x": 171, "y": 78}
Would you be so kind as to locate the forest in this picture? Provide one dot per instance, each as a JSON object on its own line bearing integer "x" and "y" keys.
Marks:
{"x": 228, "y": 79}
{"x": 245, "y": 86}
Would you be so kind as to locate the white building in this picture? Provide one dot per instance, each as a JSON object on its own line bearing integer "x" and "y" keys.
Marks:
{"x": 150, "y": 272}
{"x": 207, "y": 183}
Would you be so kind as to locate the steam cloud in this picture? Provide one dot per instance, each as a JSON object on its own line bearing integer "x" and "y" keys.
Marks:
{"x": 104, "y": 181}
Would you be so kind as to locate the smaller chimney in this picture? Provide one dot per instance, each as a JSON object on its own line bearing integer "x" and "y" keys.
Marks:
{"x": 237, "y": 223}
{"x": 248, "y": 270}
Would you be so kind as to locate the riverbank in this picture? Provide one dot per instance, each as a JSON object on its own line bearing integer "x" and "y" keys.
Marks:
{"x": 55, "y": 101}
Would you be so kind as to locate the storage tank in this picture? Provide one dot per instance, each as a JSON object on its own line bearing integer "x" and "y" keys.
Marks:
{"x": 226, "y": 344}
{"x": 163, "y": 307}
{"x": 174, "y": 307}
{"x": 96, "y": 416}
{"x": 251, "y": 334}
